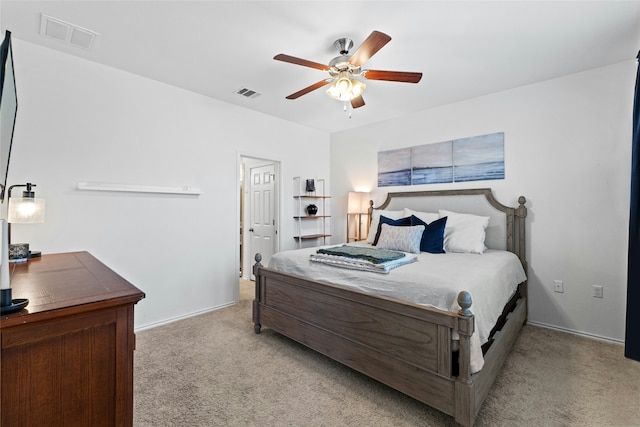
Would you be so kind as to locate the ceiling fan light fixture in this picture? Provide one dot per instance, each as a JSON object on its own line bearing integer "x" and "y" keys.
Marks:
{"x": 344, "y": 88}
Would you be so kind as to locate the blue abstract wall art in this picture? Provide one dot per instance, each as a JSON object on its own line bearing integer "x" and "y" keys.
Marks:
{"x": 475, "y": 158}
{"x": 432, "y": 163}
{"x": 394, "y": 167}
{"x": 478, "y": 158}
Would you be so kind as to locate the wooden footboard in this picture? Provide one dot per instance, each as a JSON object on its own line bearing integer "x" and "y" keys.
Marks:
{"x": 404, "y": 345}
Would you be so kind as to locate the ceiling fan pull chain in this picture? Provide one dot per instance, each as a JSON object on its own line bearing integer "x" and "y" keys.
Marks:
{"x": 347, "y": 105}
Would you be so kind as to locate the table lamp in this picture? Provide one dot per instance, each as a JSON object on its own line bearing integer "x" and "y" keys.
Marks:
{"x": 23, "y": 210}
{"x": 357, "y": 211}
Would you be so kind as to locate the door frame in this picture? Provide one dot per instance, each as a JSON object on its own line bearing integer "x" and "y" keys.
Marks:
{"x": 246, "y": 262}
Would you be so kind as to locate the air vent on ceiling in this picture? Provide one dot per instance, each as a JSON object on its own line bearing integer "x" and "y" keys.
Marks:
{"x": 64, "y": 31}
{"x": 248, "y": 93}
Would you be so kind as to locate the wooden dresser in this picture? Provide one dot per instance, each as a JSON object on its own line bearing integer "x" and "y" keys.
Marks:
{"x": 67, "y": 358}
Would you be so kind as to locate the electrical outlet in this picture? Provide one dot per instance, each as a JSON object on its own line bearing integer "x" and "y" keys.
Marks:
{"x": 558, "y": 286}
{"x": 597, "y": 291}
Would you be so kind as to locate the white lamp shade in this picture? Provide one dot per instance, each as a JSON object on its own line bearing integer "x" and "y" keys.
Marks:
{"x": 25, "y": 210}
{"x": 357, "y": 87}
{"x": 345, "y": 89}
{"x": 358, "y": 202}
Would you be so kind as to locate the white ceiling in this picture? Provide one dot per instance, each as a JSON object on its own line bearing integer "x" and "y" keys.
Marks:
{"x": 463, "y": 49}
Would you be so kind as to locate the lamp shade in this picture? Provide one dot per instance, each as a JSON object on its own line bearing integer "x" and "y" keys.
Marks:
{"x": 345, "y": 88}
{"x": 358, "y": 202}
{"x": 24, "y": 210}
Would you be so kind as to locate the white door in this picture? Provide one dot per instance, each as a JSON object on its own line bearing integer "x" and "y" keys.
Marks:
{"x": 262, "y": 223}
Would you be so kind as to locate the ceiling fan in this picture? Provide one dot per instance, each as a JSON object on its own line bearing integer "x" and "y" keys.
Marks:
{"x": 344, "y": 68}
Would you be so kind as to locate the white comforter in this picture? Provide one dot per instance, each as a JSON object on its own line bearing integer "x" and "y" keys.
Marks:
{"x": 434, "y": 280}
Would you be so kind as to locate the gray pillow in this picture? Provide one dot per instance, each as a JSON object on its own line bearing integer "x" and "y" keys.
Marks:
{"x": 405, "y": 238}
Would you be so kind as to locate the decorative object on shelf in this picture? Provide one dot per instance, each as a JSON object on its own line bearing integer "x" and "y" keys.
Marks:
{"x": 312, "y": 210}
{"x": 358, "y": 211}
{"x": 24, "y": 210}
{"x": 310, "y": 186}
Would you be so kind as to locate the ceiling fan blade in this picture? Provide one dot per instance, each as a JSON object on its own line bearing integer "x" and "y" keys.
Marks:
{"x": 392, "y": 76}
{"x": 308, "y": 89}
{"x": 357, "y": 102}
{"x": 299, "y": 61}
{"x": 369, "y": 47}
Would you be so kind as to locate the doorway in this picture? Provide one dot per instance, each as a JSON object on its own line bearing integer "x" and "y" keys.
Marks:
{"x": 259, "y": 211}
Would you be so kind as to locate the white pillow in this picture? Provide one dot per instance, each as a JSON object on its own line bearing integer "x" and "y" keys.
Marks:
{"x": 464, "y": 232}
{"x": 375, "y": 220}
{"x": 427, "y": 217}
{"x": 405, "y": 238}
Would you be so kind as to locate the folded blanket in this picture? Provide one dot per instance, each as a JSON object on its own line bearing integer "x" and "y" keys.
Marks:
{"x": 376, "y": 256}
{"x": 363, "y": 264}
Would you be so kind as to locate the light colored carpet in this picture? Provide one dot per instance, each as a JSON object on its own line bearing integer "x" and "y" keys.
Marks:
{"x": 212, "y": 370}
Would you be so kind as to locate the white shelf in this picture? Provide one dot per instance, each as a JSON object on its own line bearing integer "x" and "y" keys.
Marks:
{"x": 101, "y": 186}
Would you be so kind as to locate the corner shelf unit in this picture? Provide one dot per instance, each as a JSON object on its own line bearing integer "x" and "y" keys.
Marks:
{"x": 305, "y": 230}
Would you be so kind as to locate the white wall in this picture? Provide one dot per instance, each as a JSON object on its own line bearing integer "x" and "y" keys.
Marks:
{"x": 81, "y": 121}
{"x": 568, "y": 150}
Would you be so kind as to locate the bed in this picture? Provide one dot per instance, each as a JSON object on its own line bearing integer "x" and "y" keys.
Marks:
{"x": 424, "y": 351}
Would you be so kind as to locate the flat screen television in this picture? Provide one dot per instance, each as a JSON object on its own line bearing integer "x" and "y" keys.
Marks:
{"x": 8, "y": 109}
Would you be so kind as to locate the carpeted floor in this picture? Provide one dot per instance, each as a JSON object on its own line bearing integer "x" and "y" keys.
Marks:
{"x": 212, "y": 370}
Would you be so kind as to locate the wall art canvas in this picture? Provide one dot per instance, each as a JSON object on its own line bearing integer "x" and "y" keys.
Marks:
{"x": 394, "y": 167}
{"x": 432, "y": 163}
{"x": 479, "y": 158}
{"x": 475, "y": 158}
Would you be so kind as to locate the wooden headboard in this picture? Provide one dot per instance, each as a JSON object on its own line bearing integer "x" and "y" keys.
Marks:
{"x": 506, "y": 230}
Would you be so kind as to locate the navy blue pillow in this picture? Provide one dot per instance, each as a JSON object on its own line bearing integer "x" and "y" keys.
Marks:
{"x": 402, "y": 222}
{"x": 433, "y": 236}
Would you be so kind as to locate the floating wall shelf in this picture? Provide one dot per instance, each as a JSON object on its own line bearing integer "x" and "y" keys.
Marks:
{"x": 101, "y": 186}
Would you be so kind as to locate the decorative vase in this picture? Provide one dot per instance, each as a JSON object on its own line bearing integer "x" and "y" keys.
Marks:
{"x": 310, "y": 186}
{"x": 312, "y": 209}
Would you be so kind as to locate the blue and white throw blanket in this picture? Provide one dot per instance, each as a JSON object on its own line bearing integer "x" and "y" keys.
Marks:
{"x": 362, "y": 258}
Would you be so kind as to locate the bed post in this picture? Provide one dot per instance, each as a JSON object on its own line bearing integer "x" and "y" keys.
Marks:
{"x": 521, "y": 213}
{"x": 465, "y": 407}
{"x": 256, "y": 302}
{"x": 465, "y": 330}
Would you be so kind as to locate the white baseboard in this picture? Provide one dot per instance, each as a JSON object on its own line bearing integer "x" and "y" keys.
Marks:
{"x": 574, "y": 332}
{"x": 184, "y": 316}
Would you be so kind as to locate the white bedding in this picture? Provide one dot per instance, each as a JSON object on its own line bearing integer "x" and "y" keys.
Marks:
{"x": 433, "y": 280}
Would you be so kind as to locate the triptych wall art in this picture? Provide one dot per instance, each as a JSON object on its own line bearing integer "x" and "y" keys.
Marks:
{"x": 468, "y": 159}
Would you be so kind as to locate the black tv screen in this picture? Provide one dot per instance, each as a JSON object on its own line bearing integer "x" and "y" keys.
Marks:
{"x": 8, "y": 109}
